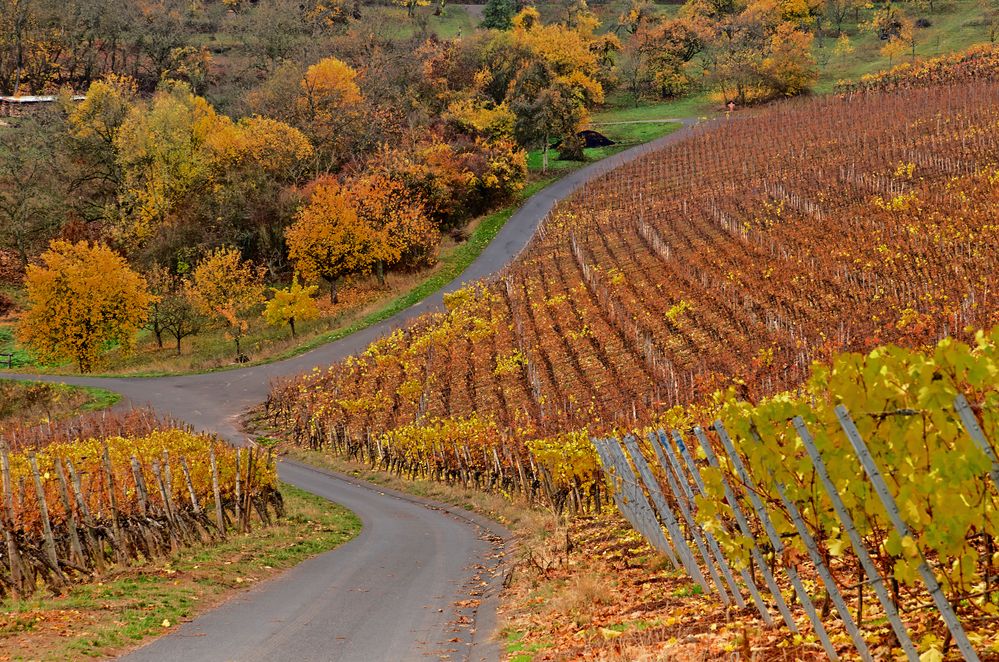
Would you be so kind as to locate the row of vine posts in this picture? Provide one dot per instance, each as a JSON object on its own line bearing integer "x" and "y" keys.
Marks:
{"x": 677, "y": 533}
{"x": 85, "y": 541}
{"x": 455, "y": 466}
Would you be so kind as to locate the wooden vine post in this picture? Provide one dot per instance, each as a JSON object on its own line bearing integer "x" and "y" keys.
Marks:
{"x": 76, "y": 549}
{"x": 219, "y": 515}
{"x": 43, "y": 508}
{"x": 18, "y": 580}
{"x": 119, "y": 541}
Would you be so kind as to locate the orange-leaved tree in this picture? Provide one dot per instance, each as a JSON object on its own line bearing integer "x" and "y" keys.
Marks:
{"x": 291, "y": 304}
{"x": 82, "y": 297}
{"x": 328, "y": 240}
{"x": 405, "y": 234}
{"x": 227, "y": 288}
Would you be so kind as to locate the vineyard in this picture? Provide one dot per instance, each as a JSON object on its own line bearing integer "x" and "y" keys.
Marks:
{"x": 79, "y": 497}
{"x": 877, "y": 477}
{"x": 734, "y": 258}
{"x": 975, "y": 64}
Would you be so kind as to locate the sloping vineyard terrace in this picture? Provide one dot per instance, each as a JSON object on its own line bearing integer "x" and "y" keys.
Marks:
{"x": 734, "y": 258}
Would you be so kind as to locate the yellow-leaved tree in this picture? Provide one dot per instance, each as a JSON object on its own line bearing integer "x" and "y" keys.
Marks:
{"x": 328, "y": 239}
{"x": 327, "y": 105}
{"x": 291, "y": 304}
{"x": 227, "y": 288}
{"x": 82, "y": 297}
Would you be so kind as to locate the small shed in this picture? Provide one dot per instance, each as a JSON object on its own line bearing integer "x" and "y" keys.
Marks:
{"x": 11, "y": 106}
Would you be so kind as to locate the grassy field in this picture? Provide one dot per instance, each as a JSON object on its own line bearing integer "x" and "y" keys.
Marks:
{"x": 625, "y": 135}
{"x": 955, "y": 26}
{"x": 134, "y": 604}
{"x": 393, "y": 22}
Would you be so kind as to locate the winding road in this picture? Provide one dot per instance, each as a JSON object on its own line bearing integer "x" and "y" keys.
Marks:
{"x": 392, "y": 593}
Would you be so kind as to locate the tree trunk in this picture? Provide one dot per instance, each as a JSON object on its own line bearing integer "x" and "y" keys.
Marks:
{"x": 334, "y": 291}
{"x": 380, "y": 271}
{"x": 291, "y": 323}
{"x": 178, "y": 344}
{"x": 238, "y": 352}
{"x": 544, "y": 157}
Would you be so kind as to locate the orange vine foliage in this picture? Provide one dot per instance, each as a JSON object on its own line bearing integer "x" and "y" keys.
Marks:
{"x": 735, "y": 257}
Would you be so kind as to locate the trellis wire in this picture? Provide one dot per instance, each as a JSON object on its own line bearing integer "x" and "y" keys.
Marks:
{"x": 754, "y": 551}
{"x": 652, "y": 486}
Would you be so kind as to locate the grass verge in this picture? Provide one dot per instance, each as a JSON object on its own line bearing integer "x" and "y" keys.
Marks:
{"x": 516, "y": 515}
{"x": 35, "y": 403}
{"x": 134, "y": 604}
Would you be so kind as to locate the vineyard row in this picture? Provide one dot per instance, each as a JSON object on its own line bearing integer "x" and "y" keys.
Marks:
{"x": 804, "y": 500}
{"x": 71, "y": 508}
{"x": 735, "y": 257}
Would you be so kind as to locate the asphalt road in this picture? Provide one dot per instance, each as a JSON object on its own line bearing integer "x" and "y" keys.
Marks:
{"x": 390, "y": 593}
{"x": 385, "y": 595}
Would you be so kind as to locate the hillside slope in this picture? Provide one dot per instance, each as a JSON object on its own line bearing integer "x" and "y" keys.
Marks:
{"x": 737, "y": 256}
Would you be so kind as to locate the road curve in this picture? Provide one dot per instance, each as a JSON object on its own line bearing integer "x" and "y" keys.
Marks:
{"x": 390, "y": 593}
{"x": 386, "y": 595}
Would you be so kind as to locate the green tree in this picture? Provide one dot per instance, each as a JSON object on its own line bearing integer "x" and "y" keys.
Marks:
{"x": 547, "y": 107}
{"x": 180, "y": 317}
{"x": 498, "y": 14}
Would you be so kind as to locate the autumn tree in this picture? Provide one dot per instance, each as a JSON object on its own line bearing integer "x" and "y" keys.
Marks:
{"x": 639, "y": 14}
{"x": 34, "y": 199}
{"x": 411, "y": 5}
{"x": 657, "y": 56}
{"x": 81, "y": 298}
{"x": 93, "y": 125}
{"x": 454, "y": 180}
{"x": 327, "y": 101}
{"x": 403, "y": 232}
{"x": 328, "y": 240}
{"x": 843, "y": 47}
{"x": 757, "y": 51}
{"x": 295, "y": 303}
{"x": 191, "y": 175}
{"x": 789, "y": 69}
{"x": 552, "y": 92}
{"x": 227, "y": 289}
{"x": 164, "y": 156}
